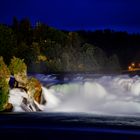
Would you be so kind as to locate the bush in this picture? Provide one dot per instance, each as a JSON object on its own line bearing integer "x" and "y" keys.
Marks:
{"x": 4, "y": 84}
{"x": 4, "y": 71}
{"x": 4, "y": 91}
{"x": 8, "y": 43}
{"x": 17, "y": 66}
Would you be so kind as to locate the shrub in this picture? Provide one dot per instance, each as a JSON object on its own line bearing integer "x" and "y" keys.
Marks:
{"x": 4, "y": 91}
{"x": 4, "y": 84}
{"x": 17, "y": 66}
{"x": 4, "y": 71}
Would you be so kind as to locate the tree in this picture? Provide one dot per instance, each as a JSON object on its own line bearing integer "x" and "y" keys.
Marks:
{"x": 113, "y": 64}
{"x": 17, "y": 66}
{"x": 43, "y": 32}
{"x": 26, "y": 52}
{"x": 40, "y": 32}
{"x": 8, "y": 43}
{"x": 25, "y": 31}
{"x": 15, "y": 25}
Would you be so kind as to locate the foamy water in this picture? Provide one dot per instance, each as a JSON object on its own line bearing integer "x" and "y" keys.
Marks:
{"x": 101, "y": 95}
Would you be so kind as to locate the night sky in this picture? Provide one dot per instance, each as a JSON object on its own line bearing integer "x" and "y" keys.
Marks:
{"x": 75, "y": 14}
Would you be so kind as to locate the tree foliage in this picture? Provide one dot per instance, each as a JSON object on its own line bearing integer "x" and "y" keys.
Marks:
{"x": 4, "y": 71}
{"x": 4, "y": 84}
{"x": 7, "y": 42}
{"x": 4, "y": 92}
{"x": 17, "y": 65}
{"x": 52, "y": 50}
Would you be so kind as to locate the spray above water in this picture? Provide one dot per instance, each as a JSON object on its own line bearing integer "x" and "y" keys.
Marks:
{"x": 119, "y": 95}
{"x": 105, "y": 95}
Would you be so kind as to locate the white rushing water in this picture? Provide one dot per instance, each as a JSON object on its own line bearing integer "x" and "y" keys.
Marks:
{"x": 100, "y": 95}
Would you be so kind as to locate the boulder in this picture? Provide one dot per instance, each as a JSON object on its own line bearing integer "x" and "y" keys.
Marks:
{"x": 22, "y": 102}
{"x": 21, "y": 79}
{"x": 34, "y": 89}
{"x": 8, "y": 107}
{"x": 31, "y": 86}
{"x": 19, "y": 70}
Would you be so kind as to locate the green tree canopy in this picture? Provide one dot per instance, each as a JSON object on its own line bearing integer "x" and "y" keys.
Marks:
{"x": 8, "y": 43}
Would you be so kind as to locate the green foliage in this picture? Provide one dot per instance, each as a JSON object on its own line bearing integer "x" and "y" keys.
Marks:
{"x": 15, "y": 25}
{"x": 113, "y": 63}
{"x": 52, "y": 49}
{"x": 4, "y": 84}
{"x": 25, "y": 32}
{"x": 4, "y": 91}
{"x": 26, "y": 52}
{"x": 65, "y": 51}
{"x": 17, "y": 65}
{"x": 4, "y": 71}
{"x": 43, "y": 32}
{"x": 54, "y": 65}
{"x": 33, "y": 83}
{"x": 56, "y": 35}
{"x": 7, "y": 42}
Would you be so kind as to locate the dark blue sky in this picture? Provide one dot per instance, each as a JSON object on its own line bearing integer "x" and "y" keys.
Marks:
{"x": 76, "y": 14}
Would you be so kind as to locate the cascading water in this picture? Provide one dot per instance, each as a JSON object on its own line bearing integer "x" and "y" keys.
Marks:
{"x": 99, "y": 94}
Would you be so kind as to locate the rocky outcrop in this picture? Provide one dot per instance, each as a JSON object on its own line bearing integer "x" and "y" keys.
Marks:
{"x": 8, "y": 107}
{"x": 31, "y": 86}
{"x": 4, "y": 86}
{"x": 25, "y": 94}
{"x": 19, "y": 70}
{"x": 34, "y": 89}
{"x": 22, "y": 103}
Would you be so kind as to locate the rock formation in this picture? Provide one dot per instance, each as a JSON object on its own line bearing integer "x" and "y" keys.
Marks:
{"x": 4, "y": 87}
{"x": 34, "y": 89}
{"x": 30, "y": 89}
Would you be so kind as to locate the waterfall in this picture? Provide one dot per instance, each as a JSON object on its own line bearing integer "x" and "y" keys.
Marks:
{"x": 102, "y": 95}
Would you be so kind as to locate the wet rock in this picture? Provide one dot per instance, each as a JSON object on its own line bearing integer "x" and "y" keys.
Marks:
{"x": 34, "y": 89}
{"x": 31, "y": 86}
{"x": 22, "y": 102}
{"x": 8, "y": 108}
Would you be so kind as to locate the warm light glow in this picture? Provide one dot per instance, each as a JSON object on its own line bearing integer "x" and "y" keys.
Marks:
{"x": 129, "y": 68}
{"x": 133, "y": 64}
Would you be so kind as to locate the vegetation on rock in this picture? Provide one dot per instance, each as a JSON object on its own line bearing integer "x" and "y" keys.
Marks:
{"x": 17, "y": 65}
{"x": 8, "y": 43}
{"x": 4, "y": 92}
{"x": 34, "y": 89}
{"x": 32, "y": 86}
{"x": 4, "y": 84}
{"x": 4, "y": 71}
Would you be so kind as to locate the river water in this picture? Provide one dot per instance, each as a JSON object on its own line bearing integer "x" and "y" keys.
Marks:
{"x": 90, "y": 93}
{"x": 84, "y": 102}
